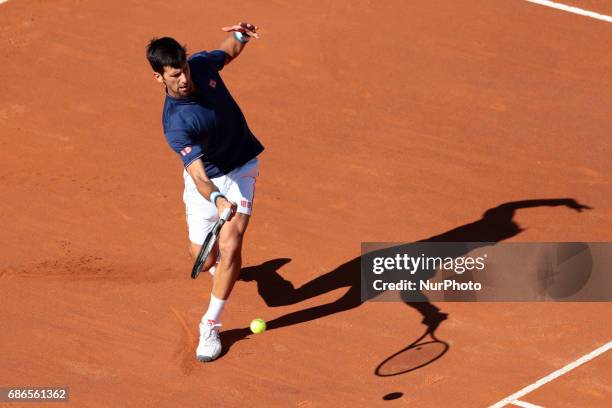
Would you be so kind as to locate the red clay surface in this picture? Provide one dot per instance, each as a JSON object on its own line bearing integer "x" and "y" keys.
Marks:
{"x": 383, "y": 121}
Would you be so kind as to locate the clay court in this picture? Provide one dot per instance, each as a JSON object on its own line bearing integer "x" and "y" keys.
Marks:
{"x": 383, "y": 121}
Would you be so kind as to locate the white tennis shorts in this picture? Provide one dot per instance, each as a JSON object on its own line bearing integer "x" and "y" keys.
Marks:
{"x": 237, "y": 186}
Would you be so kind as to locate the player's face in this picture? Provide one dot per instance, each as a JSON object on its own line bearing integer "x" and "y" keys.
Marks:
{"x": 177, "y": 80}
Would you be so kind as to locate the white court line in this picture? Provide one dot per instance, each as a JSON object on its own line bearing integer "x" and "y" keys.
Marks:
{"x": 525, "y": 404}
{"x": 3, "y": 1}
{"x": 571, "y": 9}
{"x": 514, "y": 397}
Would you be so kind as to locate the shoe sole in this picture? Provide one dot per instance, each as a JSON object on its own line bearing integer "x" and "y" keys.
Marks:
{"x": 206, "y": 359}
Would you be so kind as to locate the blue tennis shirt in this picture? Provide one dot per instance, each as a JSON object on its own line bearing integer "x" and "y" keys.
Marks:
{"x": 208, "y": 124}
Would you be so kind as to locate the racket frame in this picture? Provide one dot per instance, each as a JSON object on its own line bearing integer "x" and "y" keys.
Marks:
{"x": 209, "y": 244}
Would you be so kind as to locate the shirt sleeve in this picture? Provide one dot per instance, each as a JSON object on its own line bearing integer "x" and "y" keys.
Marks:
{"x": 182, "y": 143}
{"x": 214, "y": 59}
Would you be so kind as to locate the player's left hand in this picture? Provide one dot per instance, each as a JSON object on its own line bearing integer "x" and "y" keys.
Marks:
{"x": 245, "y": 28}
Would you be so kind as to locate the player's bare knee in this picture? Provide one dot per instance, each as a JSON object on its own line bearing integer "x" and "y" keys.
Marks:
{"x": 230, "y": 247}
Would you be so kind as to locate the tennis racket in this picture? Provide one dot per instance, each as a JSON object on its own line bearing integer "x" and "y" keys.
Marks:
{"x": 209, "y": 243}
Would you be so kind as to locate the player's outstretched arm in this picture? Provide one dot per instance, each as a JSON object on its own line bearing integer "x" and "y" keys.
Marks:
{"x": 233, "y": 45}
{"x": 206, "y": 187}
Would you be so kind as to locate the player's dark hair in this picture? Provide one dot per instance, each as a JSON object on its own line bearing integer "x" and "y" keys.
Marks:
{"x": 166, "y": 52}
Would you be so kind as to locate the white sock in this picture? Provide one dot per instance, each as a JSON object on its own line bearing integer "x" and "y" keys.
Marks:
{"x": 214, "y": 309}
{"x": 213, "y": 269}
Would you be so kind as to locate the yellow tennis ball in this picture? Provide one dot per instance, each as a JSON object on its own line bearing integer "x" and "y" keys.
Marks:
{"x": 258, "y": 326}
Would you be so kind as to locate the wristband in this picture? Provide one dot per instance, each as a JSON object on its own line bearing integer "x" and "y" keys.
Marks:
{"x": 241, "y": 38}
{"x": 214, "y": 196}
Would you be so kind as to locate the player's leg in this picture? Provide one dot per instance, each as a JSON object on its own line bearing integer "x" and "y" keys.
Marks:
{"x": 239, "y": 188}
{"x": 241, "y": 191}
{"x": 230, "y": 246}
{"x": 228, "y": 270}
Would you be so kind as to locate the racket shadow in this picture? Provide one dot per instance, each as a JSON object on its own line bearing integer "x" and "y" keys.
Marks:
{"x": 416, "y": 355}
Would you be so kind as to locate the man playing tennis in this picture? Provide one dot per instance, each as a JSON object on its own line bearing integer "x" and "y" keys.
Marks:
{"x": 205, "y": 126}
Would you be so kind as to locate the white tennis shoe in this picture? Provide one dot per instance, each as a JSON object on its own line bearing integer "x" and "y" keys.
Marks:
{"x": 210, "y": 343}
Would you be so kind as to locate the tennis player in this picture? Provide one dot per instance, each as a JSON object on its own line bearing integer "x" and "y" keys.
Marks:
{"x": 206, "y": 128}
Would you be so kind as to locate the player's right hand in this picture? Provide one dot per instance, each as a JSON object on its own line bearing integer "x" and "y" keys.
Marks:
{"x": 223, "y": 203}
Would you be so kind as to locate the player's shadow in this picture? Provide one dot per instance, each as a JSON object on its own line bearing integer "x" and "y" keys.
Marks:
{"x": 497, "y": 224}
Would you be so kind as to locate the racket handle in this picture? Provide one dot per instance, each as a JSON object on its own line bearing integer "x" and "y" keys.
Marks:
{"x": 226, "y": 214}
